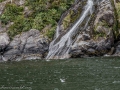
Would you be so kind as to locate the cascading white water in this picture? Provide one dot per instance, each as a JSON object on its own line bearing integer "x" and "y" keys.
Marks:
{"x": 57, "y": 31}
{"x": 60, "y": 49}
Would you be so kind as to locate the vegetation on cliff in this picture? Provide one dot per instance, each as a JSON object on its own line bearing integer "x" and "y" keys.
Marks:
{"x": 1, "y": 0}
{"x": 118, "y": 12}
{"x": 37, "y": 14}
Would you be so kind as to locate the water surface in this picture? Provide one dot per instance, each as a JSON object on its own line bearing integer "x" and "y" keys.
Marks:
{"x": 72, "y": 74}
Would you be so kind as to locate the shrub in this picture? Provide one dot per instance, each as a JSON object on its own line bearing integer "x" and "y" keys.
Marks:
{"x": 21, "y": 24}
{"x": 44, "y": 13}
{"x": 10, "y": 14}
{"x": 1, "y": 1}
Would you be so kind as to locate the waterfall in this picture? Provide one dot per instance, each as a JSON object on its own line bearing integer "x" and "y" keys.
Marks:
{"x": 60, "y": 49}
{"x": 57, "y": 31}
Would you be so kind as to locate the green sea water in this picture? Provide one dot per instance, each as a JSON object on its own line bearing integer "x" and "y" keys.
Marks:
{"x": 101, "y": 73}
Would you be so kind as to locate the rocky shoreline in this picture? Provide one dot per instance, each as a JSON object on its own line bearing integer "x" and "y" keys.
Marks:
{"x": 31, "y": 45}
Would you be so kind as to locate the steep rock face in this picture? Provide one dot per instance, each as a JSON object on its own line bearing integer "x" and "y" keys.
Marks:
{"x": 97, "y": 39}
{"x": 28, "y": 45}
{"x": 93, "y": 37}
{"x": 117, "y": 43}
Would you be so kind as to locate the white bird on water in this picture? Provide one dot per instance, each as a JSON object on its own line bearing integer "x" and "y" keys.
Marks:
{"x": 62, "y": 80}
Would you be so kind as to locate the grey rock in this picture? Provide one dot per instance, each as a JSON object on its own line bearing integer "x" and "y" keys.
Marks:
{"x": 19, "y": 2}
{"x": 117, "y": 49}
{"x": 4, "y": 41}
{"x": 101, "y": 45}
{"x": 92, "y": 38}
{"x": 91, "y": 51}
{"x": 28, "y": 45}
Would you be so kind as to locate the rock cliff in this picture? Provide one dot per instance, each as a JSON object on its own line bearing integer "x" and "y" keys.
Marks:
{"x": 96, "y": 35}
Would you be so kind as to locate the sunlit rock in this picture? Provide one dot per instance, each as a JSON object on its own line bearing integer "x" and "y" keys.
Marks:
{"x": 28, "y": 45}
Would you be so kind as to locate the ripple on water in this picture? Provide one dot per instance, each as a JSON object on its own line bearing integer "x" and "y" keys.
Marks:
{"x": 117, "y": 67}
{"x": 116, "y": 82}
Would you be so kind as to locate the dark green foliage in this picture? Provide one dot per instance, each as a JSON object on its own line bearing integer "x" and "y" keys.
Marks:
{"x": 43, "y": 19}
{"x": 47, "y": 12}
{"x": 21, "y": 24}
{"x": 1, "y": 0}
{"x": 43, "y": 14}
{"x": 11, "y": 13}
{"x": 116, "y": 23}
{"x": 51, "y": 32}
